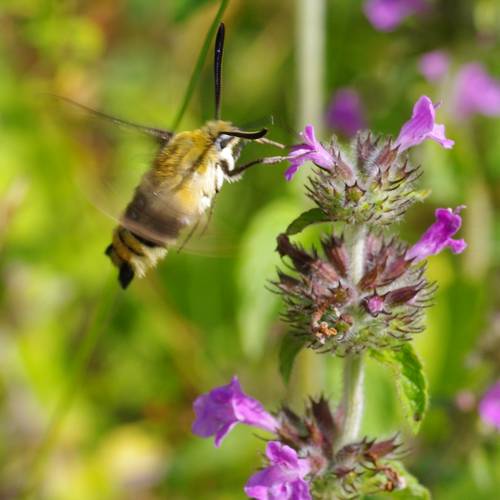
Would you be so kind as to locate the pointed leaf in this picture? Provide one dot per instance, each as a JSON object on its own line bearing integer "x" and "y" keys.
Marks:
{"x": 410, "y": 381}
{"x": 313, "y": 216}
{"x": 290, "y": 347}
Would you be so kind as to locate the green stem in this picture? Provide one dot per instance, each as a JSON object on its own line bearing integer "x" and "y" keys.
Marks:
{"x": 85, "y": 350}
{"x": 353, "y": 393}
{"x": 352, "y": 398}
{"x": 199, "y": 63}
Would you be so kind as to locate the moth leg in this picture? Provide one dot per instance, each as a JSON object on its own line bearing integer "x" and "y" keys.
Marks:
{"x": 271, "y": 160}
{"x": 188, "y": 237}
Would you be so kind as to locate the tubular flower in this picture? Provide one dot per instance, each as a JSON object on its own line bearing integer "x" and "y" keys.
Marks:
{"x": 476, "y": 92}
{"x": 283, "y": 478}
{"x": 218, "y": 411}
{"x": 434, "y": 65}
{"x": 310, "y": 150}
{"x": 345, "y": 113}
{"x": 422, "y": 126}
{"x": 489, "y": 407}
{"x": 439, "y": 235}
{"x": 303, "y": 461}
{"x": 387, "y": 15}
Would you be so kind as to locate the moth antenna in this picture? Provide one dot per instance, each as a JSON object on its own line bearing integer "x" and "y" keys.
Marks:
{"x": 219, "y": 49}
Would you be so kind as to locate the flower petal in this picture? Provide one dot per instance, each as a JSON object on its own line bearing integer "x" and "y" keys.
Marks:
{"x": 422, "y": 126}
{"x": 489, "y": 407}
{"x": 218, "y": 411}
{"x": 439, "y": 235}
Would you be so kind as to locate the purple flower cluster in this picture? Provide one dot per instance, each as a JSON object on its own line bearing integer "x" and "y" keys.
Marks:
{"x": 218, "y": 411}
{"x": 420, "y": 127}
{"x": 387, "y": 15}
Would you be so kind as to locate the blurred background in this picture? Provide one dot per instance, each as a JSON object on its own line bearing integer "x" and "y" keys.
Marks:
{"x": 124, "y": 420}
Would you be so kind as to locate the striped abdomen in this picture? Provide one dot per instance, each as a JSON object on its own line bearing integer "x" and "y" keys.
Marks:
{"x": 141, "y": 240}
{"x": 132, "y": 254}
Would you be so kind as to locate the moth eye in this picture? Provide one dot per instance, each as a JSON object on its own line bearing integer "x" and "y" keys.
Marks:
{"x": 222, "y": 141}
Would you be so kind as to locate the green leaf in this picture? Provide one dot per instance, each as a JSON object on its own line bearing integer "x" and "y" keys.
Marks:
{"x": 410, "y": 381}
{"x": 257, "y": 263}
{"x": 184, "y": 8}
{"x": 313, "y": 216}
{"x": 290, "y": 347}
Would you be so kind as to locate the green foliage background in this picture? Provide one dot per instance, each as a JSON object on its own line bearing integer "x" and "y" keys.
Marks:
{"x": 200, "y": 318}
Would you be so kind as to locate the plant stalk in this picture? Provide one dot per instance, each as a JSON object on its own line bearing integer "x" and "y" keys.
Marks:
{"x": 353, "y": 391}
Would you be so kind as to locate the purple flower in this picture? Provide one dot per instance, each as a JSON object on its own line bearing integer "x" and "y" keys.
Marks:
{"x": 476, "y": 92}
{"x": 422, "y": 126}
{"x": 439, "y": 235}
{"x": 489, "y": 407}
{"x": 309, "y": 150}
{"x": 434, "y": 65}
{"x": 374, "y": 305}
{"x": 283, "y": 479}
{"x": 345, "y": 113}
{"x": 218, "y": 411}
{"x": 387, "y": 15}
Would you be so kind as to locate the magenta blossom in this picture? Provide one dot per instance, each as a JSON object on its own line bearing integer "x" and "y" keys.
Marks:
{"x": 218, "y": 411}
{"x": 439, "y": 235}
{"x": 476, "y": 92}
{"x": 309, "y": 150}
{"x": 489, "y": 407}
{"x": 345, "y": 113}
{"x": 434, "y": 65}
{"x": 422, "y": 126}
{"x": 387, "y": 15}
{"x": 283, "y": 479}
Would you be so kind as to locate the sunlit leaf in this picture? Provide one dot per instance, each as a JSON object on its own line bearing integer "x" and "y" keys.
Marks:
{"x": 304, "y": 220}
{"x": 257, "y": 265}
{"x": 290, "y": 347}
{"x": 410, "y": 381}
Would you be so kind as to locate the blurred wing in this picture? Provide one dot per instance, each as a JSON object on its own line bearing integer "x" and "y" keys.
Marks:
{"x": 163, "y": 136}
{"x": 114, "y": 164}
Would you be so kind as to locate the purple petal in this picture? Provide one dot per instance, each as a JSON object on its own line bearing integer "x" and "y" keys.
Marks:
{"x": 422, "y": 126}
{"x": 309, "y": 150}
{"x": 218, "y": 411}
{"x": 387, "y": 15}
{"x": 283, "y": 479}
{"x": 434, "y": 65}
{"x": 476, "y": 92}
{"x": 375, "y": 304}
{"x": 489, "y": 407}
{"x": 345, "y": 113}
{"x": 439, "y": 235}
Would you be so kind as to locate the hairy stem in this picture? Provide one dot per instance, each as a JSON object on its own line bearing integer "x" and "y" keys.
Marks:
{"x": 353, "y": 394}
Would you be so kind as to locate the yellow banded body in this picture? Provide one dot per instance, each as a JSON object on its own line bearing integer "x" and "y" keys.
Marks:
{"x": 173, "y": 194}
